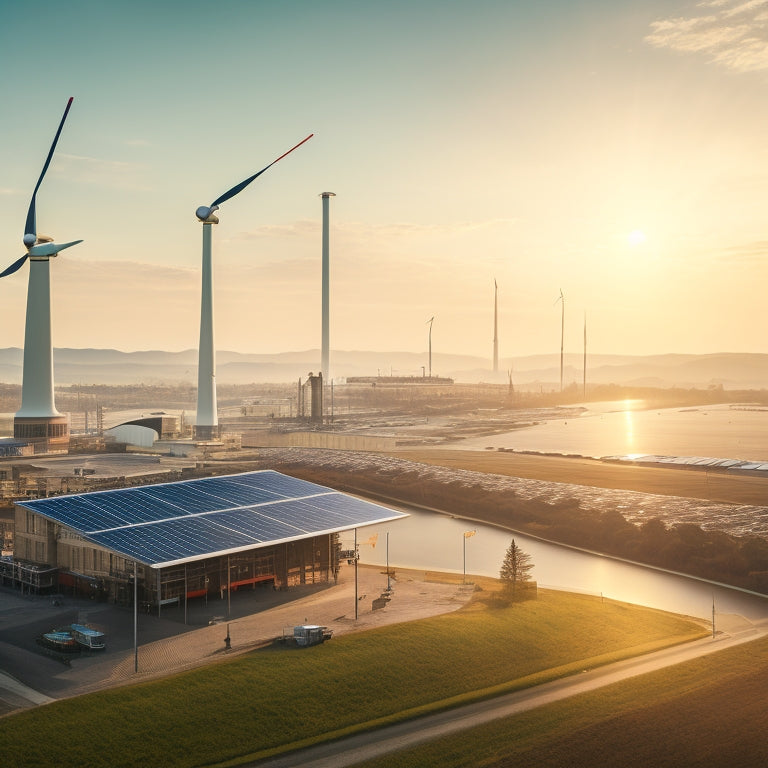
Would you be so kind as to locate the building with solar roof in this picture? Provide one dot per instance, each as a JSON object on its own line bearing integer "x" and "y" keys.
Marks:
{"x": 185, "y": 540}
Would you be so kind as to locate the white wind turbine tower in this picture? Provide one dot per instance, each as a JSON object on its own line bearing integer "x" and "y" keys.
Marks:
{"x": 585, "y": 355}
{"x": 429, "y": 323}
{"x": 495, "y": 327}
{"x": 38, "y": 421}
{"x": 561, "y": 299}
{"x": 207, "y": 422}
{"x": 325, "y": 352}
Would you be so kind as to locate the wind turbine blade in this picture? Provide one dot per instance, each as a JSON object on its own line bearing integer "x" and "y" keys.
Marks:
{"x": 30, "y": 228}
{"x": 15, "y": 267}
{"x": 243, "y": 184}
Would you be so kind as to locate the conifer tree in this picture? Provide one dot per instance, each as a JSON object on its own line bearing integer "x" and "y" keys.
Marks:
{"x": 515, "y": 569}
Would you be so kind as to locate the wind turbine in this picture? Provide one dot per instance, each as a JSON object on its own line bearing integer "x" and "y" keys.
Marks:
{"x": 429, "y": 323}
{"x": 561, "y": 299}
{"x": 38, "y": 420}
{"x": 495, "y": 327}
{"x": 585, "y": 355}
{"x": 325, "y": 350}
{"x": 207, "y": 422}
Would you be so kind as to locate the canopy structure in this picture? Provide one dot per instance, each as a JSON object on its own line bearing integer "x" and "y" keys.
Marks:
{"x": 174, "y": 523}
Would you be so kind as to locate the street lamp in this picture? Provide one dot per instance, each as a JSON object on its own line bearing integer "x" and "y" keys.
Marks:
{"x": 467, "y": 535}
{"x": 135, "y": 617}
{"x": 389, "y": 584}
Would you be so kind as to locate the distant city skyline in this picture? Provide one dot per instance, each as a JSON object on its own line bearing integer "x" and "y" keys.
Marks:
{"x": 616, "y": 151}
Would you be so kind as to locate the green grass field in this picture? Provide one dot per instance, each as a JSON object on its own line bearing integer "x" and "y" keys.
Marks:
{"x": 277, "y": 697}
{"x": 709, "y": 711}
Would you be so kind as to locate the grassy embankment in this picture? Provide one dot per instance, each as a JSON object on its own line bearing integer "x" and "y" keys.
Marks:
{"x": 275, "y": 698}
{"x": 706, "y": 712}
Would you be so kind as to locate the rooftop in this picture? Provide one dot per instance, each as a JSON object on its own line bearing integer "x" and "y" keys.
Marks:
{"x": 172, "y": 523}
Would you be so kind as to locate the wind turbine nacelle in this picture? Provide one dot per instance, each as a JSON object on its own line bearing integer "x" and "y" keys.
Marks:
{"x": 205, "y": 214}
{"x": 48, "y": 248}
{"x": 30, "y": 239}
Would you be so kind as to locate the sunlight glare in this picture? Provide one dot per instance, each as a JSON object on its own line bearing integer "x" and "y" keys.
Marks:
{"x": 636, "y": 237}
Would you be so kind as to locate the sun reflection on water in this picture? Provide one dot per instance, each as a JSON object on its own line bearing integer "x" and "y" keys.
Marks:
{"x": 629, "y": 431}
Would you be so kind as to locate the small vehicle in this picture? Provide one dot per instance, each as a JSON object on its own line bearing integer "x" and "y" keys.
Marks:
{"x": 311, "y": 634}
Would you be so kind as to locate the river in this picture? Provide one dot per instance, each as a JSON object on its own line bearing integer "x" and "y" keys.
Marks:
{"x": 429, "y": 541}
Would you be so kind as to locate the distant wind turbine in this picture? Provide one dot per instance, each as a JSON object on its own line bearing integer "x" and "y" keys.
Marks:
{"x": 429, "y": 323}
{"x": 495, "y": 327}
{"x": 207, "y": 422}
{"x": 585, "y": 355}
{"x": 561, "y": 299}
{"x": 38, "y": 418}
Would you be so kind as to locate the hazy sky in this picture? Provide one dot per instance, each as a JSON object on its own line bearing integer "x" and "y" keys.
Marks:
{"x": 614, "y": 149}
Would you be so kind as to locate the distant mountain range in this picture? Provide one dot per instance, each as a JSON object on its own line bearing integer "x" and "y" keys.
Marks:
{"x": 110, "y": 366}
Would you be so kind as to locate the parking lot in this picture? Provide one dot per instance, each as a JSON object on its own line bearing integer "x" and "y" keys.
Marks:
{"x": 167, "y": 644}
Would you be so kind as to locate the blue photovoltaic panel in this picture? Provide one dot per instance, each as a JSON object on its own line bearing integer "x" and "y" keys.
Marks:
{"x": 167, "y": 523}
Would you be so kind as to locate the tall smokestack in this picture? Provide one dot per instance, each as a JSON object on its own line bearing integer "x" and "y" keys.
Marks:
{"x": 326, "y": 323}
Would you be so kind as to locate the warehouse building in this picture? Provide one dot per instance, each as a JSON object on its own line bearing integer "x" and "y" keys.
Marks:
{"x": 173, "y": 542}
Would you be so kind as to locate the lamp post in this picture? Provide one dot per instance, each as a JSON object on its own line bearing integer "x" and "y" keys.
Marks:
{"x": 467, "y": 535}
{"x": 135, "y": 618}
{"x": 389, "y": 586}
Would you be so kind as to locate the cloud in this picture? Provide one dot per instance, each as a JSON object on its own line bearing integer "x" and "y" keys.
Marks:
{"x": 106, "y": 173}
{"x": 364, "y": 231}
{"x": 732, "y": 34}
{"x": 746, "y": 253}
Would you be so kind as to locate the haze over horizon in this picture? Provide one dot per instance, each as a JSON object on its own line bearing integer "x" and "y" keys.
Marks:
{"x": 614, "y": 151}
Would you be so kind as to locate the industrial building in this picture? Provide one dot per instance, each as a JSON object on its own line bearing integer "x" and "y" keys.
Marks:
{"x": 173, "y": 542}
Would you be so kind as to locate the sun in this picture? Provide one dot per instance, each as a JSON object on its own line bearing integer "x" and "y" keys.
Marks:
{"x": 636, "y": 237}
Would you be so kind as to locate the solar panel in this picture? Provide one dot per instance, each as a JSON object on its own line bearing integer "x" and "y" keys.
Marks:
{"x": 159, "y": 525}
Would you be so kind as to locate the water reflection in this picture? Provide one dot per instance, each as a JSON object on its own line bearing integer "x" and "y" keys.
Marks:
{"x": 436, "y": 542}
{"x": 610, "y": 429}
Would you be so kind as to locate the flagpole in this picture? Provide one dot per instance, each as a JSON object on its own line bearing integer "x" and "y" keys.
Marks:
{"x": 467, "y": 534}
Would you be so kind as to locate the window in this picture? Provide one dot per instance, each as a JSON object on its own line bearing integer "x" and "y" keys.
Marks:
{"x": 29, "y": 430}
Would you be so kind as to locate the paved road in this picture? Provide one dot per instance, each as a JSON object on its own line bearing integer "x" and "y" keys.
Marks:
{"x": 366, "y": 746}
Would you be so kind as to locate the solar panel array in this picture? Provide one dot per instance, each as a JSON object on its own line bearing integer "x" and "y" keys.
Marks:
{"x": 159, "y": 525}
